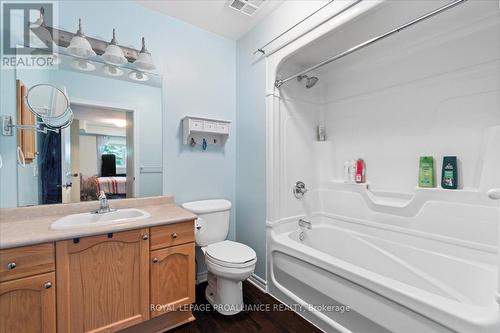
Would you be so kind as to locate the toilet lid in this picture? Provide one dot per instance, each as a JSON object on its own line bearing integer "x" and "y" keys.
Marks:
{"x": 231, "y": 252}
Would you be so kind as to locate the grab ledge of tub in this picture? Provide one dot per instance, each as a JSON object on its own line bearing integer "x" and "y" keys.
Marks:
{"x": 407, "y": 204}
{"x": 389, "y": 198}
{"x": 382, "y": 198}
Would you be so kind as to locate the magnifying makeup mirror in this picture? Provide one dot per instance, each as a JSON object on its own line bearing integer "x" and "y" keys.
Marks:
{"x": 50, "y": 104}
{"x": 60, "y": 123}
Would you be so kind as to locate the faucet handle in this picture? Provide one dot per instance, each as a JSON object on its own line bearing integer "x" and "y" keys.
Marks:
{"x": 102, "y": 195}
{"x": 299, "y": 189}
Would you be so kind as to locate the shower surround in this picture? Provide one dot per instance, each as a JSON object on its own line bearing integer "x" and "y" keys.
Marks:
{"x": 403, "y": 258}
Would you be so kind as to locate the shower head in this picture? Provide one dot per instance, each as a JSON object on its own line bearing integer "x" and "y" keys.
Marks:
{"x": 310, "y": 81}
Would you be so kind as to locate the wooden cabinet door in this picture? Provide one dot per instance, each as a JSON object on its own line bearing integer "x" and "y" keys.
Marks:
{"x": 103, "y": 282}
{"x": 28, "y": 305}
{"x": 172, "y": 278}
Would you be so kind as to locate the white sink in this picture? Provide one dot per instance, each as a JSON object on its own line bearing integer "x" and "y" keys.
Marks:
{"x": 84, "y": 220}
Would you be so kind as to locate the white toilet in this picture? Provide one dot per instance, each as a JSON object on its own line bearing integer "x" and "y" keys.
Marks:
{"x": 228, "y": 262}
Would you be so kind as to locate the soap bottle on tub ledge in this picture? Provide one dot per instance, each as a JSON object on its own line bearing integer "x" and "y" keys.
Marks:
{"x": 360, "y": 171}
{"x": 449, "y": 174}
{"x": 354, "y": 171}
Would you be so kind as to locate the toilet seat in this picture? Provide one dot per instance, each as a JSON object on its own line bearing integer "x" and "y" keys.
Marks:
{"x": 230, "y": 254}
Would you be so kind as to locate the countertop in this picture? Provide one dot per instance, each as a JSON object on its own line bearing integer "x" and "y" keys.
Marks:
{"x": 31, "y": 225}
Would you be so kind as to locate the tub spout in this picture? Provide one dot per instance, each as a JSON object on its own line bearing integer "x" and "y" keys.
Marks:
{"x": 305, "y": 224}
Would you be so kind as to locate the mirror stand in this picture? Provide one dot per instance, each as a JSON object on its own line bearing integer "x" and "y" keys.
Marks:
{"x": 7, "y": 126}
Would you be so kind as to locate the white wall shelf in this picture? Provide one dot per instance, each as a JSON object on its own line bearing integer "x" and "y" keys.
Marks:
{"x": 214, "y": 131}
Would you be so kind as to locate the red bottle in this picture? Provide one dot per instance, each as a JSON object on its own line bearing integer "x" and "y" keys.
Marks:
{"x": 360, "y": 171}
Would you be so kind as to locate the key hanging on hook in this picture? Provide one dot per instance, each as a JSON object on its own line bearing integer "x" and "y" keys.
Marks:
{"x": 192, "y": 143}
{"x": 204, "y": 145}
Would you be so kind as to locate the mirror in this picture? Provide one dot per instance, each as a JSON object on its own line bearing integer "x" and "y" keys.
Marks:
{"x": 60, "y": 123}
{"x": 110, "y": 129}
{"x": 48, "y": 102}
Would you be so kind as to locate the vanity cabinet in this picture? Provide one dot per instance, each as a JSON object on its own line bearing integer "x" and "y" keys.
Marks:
{"x": 27, "y": 289}
{"x": 103, "y": 282}
{"x": 28, "y": 304}
{"x": 172, "y": 277}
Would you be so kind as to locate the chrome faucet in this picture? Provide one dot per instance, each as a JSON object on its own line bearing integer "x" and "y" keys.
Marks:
{"x": 103, "y": 204}
{"x": 299, "y": 189}
{"x": 305, "y": 224}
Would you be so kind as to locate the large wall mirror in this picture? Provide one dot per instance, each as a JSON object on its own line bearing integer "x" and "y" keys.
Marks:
{"x": 113, "y": 143}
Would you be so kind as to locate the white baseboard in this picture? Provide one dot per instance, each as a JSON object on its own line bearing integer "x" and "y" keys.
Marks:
{"x": 253, "y": 279}
{"x": 258, "y": 282}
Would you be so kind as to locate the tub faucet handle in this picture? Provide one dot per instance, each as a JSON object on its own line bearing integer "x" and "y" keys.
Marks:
{"x": 299, "y": 190}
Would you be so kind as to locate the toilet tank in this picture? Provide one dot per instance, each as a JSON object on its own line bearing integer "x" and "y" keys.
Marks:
{"x": 212, "y": 225}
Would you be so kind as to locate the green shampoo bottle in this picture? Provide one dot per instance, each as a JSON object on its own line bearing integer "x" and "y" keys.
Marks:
{"x": 449, "y": 176}
{"x": 426, "y": 172}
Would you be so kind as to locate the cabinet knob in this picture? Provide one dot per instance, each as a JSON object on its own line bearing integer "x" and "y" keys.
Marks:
{"x": 155, "y": 260}
{"x": 174, "y": 235}
{"x": 145, "y": 237}
{"x": 47, "y": 285}
{"x": 11, "y": 265}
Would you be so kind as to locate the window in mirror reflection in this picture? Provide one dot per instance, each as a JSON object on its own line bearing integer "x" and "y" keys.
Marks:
{"x": 120, "y": 152}
{"x": 103, "y": 146}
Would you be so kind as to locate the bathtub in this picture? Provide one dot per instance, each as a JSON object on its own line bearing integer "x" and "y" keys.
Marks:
{"x": 391, "y": 281}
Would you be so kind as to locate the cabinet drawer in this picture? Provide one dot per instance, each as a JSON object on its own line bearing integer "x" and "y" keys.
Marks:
{"x": 195, "y": 125}
{"x": 223, "y": 128}
{"x": 24, "y": 261}
{"x": 172, "y": 234}
{"x": 209, "y": 126}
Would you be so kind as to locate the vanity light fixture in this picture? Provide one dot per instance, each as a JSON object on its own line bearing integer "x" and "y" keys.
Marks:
{"x": 79, "y": 45}
{"x": 138, "y": 76}
{"x": 111, "y": 70}
{"x": 144, "y": 60}
{"x": 83, "y": 65}
{"x": 114, "y": 54}
{"x": 41, "y": 39}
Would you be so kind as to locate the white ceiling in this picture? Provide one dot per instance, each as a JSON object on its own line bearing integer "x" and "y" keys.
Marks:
{"x": 212, "y": 15}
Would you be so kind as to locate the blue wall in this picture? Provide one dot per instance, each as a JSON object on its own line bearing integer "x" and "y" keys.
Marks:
{"x": 199, "y": 78}
{"x": 251, "y": 125}
{"x": 199, "y": 71}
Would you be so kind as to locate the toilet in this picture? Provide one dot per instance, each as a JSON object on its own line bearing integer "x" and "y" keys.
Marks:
{"x": 228, "y": 263}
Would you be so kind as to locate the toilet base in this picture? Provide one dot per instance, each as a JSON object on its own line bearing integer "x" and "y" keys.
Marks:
{"x": 225, "y": 295}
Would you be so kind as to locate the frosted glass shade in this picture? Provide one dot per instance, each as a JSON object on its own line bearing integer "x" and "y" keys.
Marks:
{"x": 138, "y": 76}
{"x": 114, "y": 55}
{"x": 112, "y": 70}
{"x": 144, "y": 61}
{"x": 80, "y": 47}
{"x": 83, "y": 65}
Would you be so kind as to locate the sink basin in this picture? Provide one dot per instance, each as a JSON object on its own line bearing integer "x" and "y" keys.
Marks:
{"x": 84, "y": 220}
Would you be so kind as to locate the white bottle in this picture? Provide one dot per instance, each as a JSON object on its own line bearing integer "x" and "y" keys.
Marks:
{"x": 352, "y": 172}
{"x": 321, "y": 133}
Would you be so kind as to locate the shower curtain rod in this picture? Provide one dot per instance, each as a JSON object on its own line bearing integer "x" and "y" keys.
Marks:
{"x": 279, "y": 82}
{"x": 261, "y": 49}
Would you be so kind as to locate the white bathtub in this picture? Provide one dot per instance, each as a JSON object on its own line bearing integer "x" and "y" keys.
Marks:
{"x": 392, "y": 282}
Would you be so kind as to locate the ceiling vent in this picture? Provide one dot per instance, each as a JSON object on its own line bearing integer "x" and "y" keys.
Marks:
{"x": 247, "y": 7}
